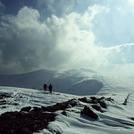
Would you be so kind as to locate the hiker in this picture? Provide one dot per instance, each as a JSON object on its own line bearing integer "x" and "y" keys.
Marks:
{"x": 50, "y": 88}
{"x": 45, "y": 87}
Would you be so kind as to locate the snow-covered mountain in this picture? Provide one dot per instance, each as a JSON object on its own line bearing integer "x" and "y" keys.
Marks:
{"x": 77, "y": 82}
{"x": 108, "y": 116}
{"x": 33, "y": 79}
{"x": 66, "y": 81}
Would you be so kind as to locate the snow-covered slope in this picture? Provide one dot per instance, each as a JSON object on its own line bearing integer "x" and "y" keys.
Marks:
{"x": 71, "y": 81}
{"x": 33, "y": 79}
{"x": 78, "y": 82}
{"x": 117, "y": 118}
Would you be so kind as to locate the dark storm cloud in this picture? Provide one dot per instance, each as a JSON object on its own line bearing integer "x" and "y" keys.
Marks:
{"x": 28, "y": 34}
{"x": 2, "y": 8}
{"x": 12, "y": 7}
{"x": 53, "y": 34}
{"x": 26, "y": 43}
{"x": 57, "y": 7}
{"x": 45, "y": 7}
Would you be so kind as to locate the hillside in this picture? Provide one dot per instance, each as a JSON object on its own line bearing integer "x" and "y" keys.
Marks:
{"x": 33, "y": 79}
{"x": 108, "y": 116}
{"x": 71, "y": 81}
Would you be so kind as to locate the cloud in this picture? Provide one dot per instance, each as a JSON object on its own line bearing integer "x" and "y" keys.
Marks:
{"x": 60, "y": 38}
{"x": 2, "y": 8}
{"x": 59, "y": 8}
{"x": 27, "y": 43}
{"x": 115, "y": 26}
{"x": 57, "y": 42}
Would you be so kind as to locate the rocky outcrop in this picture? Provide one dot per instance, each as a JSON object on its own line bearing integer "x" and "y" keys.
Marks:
{"x": 94, "y": 100}
{"x": 97, "y": 108}
{"x": 85, "y": 100}
{"x": 32, "y": 119}
{"x": 61, "y": 106}
{"x": 24, "y": 123}
{"x": 90, "y": 113}
{"x": 4, "y": 95}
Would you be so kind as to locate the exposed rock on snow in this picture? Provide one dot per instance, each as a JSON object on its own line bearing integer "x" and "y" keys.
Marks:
{"x": 97, "y": 107}
{"x": 90, "y": 113}
{"x": 85, "y": 99}
{"x": 24, "y": 123}
{"x": 4, "y": 95}
{"x": 61, "y": 106}
{"x": 26, "y": 109}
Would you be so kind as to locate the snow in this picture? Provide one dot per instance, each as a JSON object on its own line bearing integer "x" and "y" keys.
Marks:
{"x": 30, "y": 97}
{"x": 116, "y": 119}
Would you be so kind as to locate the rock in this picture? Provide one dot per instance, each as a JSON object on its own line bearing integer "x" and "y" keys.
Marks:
{"x": 103, "y": 104}
{"x": 3, "y": 102}
{"x": 90, "y": 113}
{"x": 3, "y": 107}
{"x": 61, "y": 106}
{"x": 26, "y": 109}
{"x": 85, "y": 100}
{"x": 109, "y": 99}
{"x": 97, "y": 107}
{"x": 101, "y": 98}
{"x": 64, "y": 113}
{"x": 25, "y": 123}
{"x": 73, "y": 102}
{"x": 36, "y": 109}
{"x": 4, "y": 95}
{"x": 15, "y": 104}
{"x": 94, "y": 100}
{"x": 132, "y": 118}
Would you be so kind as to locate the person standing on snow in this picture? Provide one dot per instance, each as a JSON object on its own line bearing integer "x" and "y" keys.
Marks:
{"x": 45, "y": 87}
{"x": 50, "y": 88}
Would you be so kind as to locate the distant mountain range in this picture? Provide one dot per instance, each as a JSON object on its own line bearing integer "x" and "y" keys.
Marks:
{"x": 80, "y": 82}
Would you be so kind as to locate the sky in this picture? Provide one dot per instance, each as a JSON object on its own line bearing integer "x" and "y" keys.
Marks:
{"x": 67, "y": 34}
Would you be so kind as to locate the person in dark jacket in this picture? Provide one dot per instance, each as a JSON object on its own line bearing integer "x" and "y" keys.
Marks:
{"x": 45, "y": 87}
{"x": 50, "y": 88}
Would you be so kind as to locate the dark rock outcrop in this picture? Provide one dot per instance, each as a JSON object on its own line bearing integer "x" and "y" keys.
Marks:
{"x": 64, "y": 113}
{"x": 4, "y": 95}
{"x": 32, "y": 119}
{"x": 97, "y": 107}
{"x": 2, "y": 102}
{"x": 90, "y": 113}
{"x": 61, "y": 106}
{"x": 109, "y": 99}
{"x": 26, "y": 109}
{"x": 85, "y": 100}
{"x": 24, "y": 123}
{"x": 94, "y": 100}
{"x": 103, "y": 104}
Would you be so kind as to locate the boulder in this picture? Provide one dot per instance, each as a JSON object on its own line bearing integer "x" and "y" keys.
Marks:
{"x": 94, "y": 100}
{"x": 103, "y": 104}
{"x": 85, "y": 100}
{"x": 64, "y": 113}
{"x": 97, "y": 107}
{"x": 90, "y": 113}
{"x": 25, "y": 123}
{"x": 26, "y": 109}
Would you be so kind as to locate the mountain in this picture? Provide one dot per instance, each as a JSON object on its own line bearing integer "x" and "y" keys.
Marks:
{"x": 90, "y": 86}
{"x": 33, "y": 79}
{"x": 66, "y": 81}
